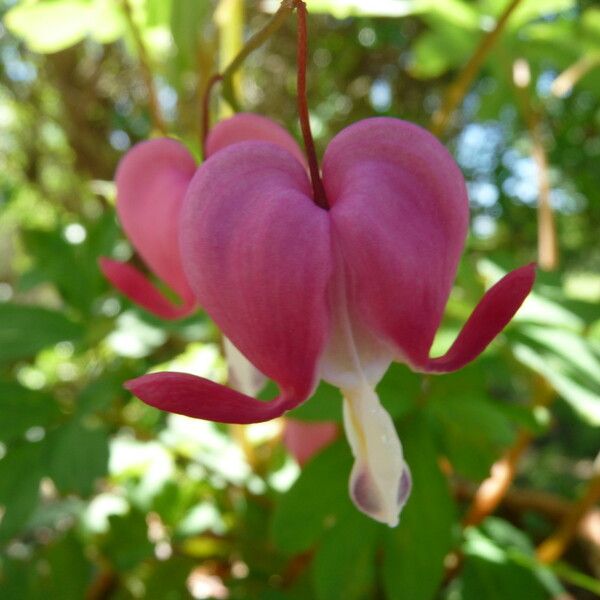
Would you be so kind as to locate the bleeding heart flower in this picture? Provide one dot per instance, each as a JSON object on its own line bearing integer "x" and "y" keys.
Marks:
{"x": 308, "y": 293}
{"x": 152, "y": 180}
{"x": 305, "y": 439}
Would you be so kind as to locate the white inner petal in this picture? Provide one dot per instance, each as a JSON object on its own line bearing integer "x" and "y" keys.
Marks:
{"x": 243, "y": 375}
{"x": 355, "y": 360}
{"x": 380, "y": 481}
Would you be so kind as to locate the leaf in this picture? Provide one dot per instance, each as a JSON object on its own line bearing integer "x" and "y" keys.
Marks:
{"x": 67, "y": 573}
{"x": 187, "y": 18}
{"x": 500, "y": 563}
{"x": 324, "y": 405}
{"x": 474, "y": 432}
{"x": 413, "y": 565}
{"x": 344, "y": 565}
{"x": 399, "y": 390}
{"x": 50, "y": 26}
{"x": 72, "y": 268}
{"x": 25, "y": 330}
{"x": 126, "y": 544}
{"x": 168, "y": 579}
{"x": 78, "y": 457}
{"x": 316, "y": 501}
{"x": 22, "y": 408}
{"x": 20, "y": 473}
{"x": 582, "y": 396}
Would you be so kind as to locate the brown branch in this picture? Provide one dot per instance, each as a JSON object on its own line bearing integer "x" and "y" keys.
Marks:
{"x": 547, "y": 238}
{"x": 104, "y": 584}
{"x": 566, "y": 80}
{"x": 493, "y": 489}
{"x": 457, "y": 91}
{"x": 145, "y": 69}
{"x": 553, "y": 547}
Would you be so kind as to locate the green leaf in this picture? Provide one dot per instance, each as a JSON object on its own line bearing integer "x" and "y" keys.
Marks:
{"x": 78, "y": 457}
{"x": 20, "y": 473}
{"x": 68, "y": 572}
{"x": 126, "y": 544}
{"x": 500, "y": 563}
{"x": 316, "y": 501}
{"x": 399, "y": 390}
{"x": 344, "y": 565}
{"x": 414, "y": 552}
{"x": 474, "y": 432}
{"x": 72, "y": 268}
{"x": 168, "y": 579}
{"x": 579, "y": 392}
{"x": 25, "y": 330}
{"x": 187, "y": 18}
{"x": 324, "y": 405}
{"x": 50, "y": 26}
{"x": 22, "y": 408}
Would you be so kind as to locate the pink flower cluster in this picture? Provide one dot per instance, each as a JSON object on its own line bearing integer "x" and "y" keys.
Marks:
{"x": 307, "y": 293}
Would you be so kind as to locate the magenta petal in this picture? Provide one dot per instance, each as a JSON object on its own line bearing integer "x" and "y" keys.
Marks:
{"x": 400, "y": 217}
{"x": 257, "y": 253}
{"x": 200, "y": 398}
{"x": 152, "y": 179}
{"x": 246, "y": 127}
{"x": 491, "y": 315}
{"x": 133, "y": 284}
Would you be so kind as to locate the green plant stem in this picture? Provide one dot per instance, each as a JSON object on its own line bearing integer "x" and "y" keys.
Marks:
{"x": 146, "y": 70}
{"x": 458, "y": 90}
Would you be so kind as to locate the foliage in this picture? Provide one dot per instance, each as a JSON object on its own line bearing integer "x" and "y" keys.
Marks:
{"x": 101, "y": 496}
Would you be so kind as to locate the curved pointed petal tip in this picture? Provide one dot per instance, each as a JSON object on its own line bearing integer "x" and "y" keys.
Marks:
{"x": 492, "y": 314}
{"x": 201, "y": 398}
{"x": 133, "y": 284}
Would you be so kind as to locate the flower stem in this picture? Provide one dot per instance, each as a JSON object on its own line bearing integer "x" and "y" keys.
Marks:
{"x": 319, "y": 196}
{"x": 226, "y": 77}
{"x": 146, "y": 70}
{"x": 457, "y": 91}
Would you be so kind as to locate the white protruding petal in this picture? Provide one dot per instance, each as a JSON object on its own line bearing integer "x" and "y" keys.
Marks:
{"x": 380, "y": 481}
{"x": 243, "y": 375}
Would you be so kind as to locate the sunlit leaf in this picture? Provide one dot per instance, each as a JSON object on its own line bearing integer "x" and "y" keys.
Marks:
{"x": 22, "y": 409}
{"x": 25, "y": 330}
{"x": 50, "y": 26}
{"x": 414, "y": 551}
{"x": 344, "y": 565}
{"x": 301, "y": 515}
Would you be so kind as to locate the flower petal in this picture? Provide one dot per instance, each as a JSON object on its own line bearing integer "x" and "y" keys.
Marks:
{"x": 494, "y": 311}
{"x": 303, "y": 440}
{"x": 380, "y": 481}
{"x": 151, "y": 183}
{"x": 201, "y": 398}
{"x": 257, "y": 254}
{"x": 245, "y": 127}
{"x": 133, "y": 284}
{"x": 399, "y": 211}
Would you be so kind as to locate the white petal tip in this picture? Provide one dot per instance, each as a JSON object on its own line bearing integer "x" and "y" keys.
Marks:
{"x": 383, "y": 505}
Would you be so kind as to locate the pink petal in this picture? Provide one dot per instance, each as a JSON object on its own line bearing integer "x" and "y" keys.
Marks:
{"x": 494, "y": 311}
{"x": 204, "y": 399}
{"x": 257, "y": 253}
{"x": 245, "y": 127}
{"x": 304, "y": 440}
{"x": 133, "y": 284}
{"x": 151, "y": 182}
{"x": 400, "y": 216}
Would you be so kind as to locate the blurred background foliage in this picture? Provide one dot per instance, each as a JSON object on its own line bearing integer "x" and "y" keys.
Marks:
{"x": 104, "y": 497}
